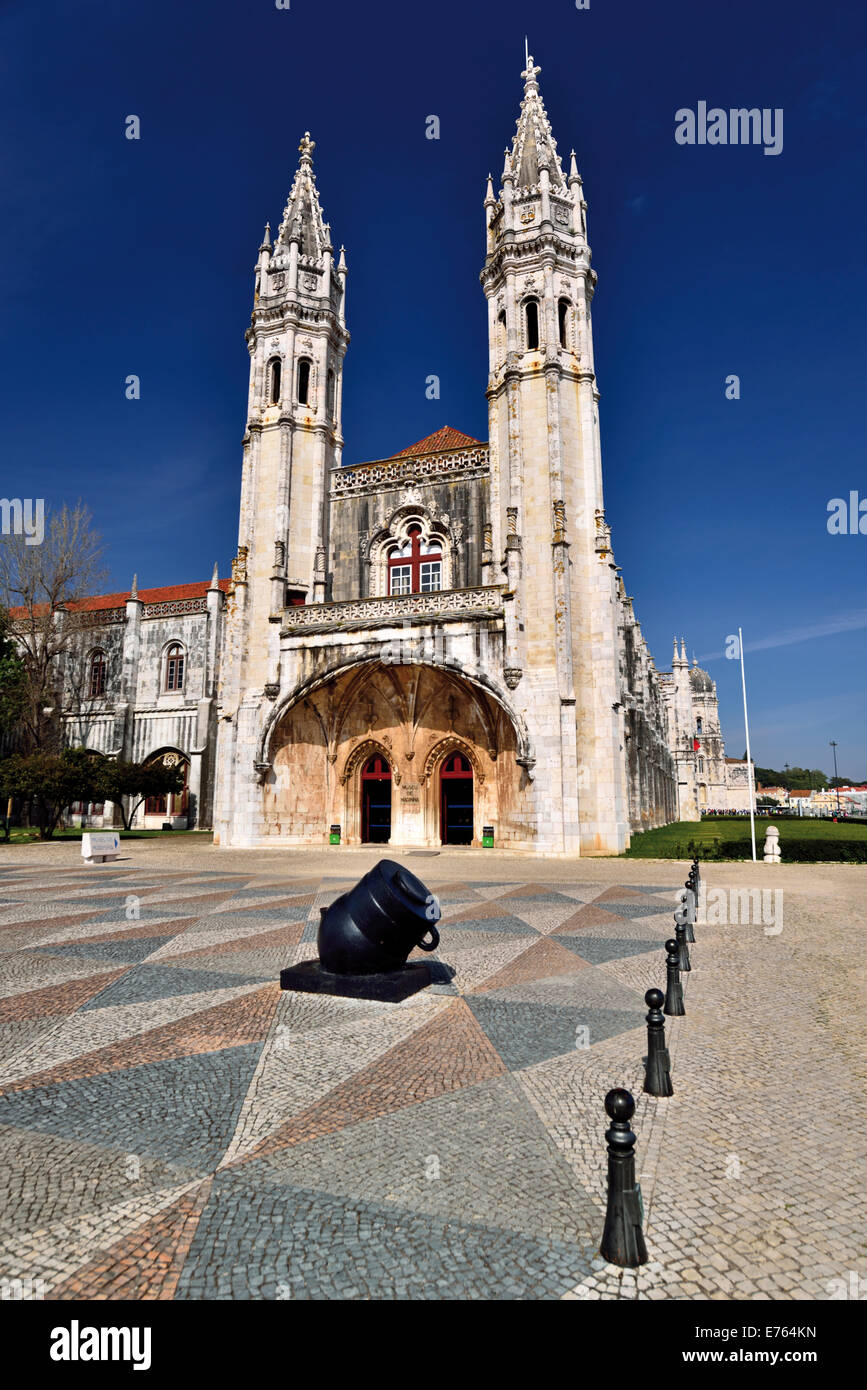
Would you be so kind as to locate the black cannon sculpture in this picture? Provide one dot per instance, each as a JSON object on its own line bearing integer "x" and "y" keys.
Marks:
{"x": 366, "y": 935}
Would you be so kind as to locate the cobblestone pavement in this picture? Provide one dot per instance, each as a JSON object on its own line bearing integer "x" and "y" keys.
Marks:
{"x": 173, "y": 1126}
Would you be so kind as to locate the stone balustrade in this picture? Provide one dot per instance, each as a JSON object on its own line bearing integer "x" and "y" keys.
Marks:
{"x": 400, "y": 472}
{"x": 483, "y": 602}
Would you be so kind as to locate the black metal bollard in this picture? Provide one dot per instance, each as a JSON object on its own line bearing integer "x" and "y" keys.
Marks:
{"x": 622, "y": 1238}
{"x": 674, "y": 989}
{"x": 697, "y": 876}
{"x": 682, "y": 948}
{"x": 657, "y": 1071}
{"x": 691, "y": 901}
{"x": 685, "y": 914}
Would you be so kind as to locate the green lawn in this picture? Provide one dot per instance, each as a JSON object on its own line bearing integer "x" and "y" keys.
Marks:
{"x": 728, "y": 837}
{"x": 19, "y": 836}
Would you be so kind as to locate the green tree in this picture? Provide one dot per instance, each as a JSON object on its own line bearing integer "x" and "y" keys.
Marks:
{"x": 12, "y": 679}
{"x": 768, "y": 777}
{"x": 41, "y": 586}
{"x": 52, "y": 782}
{"x": 119, "y": 781}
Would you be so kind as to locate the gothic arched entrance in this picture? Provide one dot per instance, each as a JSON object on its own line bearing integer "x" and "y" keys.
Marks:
{"x": 456, "y": 800}
{"x": 376, "y": 800}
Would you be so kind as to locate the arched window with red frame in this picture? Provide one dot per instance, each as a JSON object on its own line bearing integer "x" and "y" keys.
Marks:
{"x": 174, "y": 680}
{"x": 416, "y": 566}
{"x": 97, "y": 675}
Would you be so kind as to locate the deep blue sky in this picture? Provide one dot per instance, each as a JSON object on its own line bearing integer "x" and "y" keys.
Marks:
{"x": 121, "y": 257}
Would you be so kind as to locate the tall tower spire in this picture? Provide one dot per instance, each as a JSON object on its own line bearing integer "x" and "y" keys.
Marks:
{"x": 302, "y": 217}
{"x": 548, "y": 518}
{"x": 297, "y": 341}
{"x": 533, "y": 145}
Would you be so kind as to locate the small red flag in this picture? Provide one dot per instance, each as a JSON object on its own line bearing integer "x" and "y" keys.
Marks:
{"x": 696, "y": 745}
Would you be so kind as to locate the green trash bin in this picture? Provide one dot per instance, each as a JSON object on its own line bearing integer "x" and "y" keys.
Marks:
{"x": 334, "y": 835}
{"x": 487, "y": 837}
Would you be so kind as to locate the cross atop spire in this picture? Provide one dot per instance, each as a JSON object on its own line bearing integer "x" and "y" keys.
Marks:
{"x": 529, "y": 73}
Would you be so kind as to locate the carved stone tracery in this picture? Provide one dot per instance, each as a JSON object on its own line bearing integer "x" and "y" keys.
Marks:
{"x": 365, "y": 750}
{"x": 440, "y": 751}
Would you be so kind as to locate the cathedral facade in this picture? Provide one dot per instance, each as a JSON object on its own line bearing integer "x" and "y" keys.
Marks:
{"x": 431, "y": 648}
{"x": 437, "y": 642}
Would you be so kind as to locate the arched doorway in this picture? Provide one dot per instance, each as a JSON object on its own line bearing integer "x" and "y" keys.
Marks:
{"x": 376, "y": 801}
{"x": 456, "y": 800}
{"x": 173, "y": 806}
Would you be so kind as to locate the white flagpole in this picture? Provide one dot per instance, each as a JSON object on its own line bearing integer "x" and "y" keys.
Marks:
{"x": 749, "y": 759}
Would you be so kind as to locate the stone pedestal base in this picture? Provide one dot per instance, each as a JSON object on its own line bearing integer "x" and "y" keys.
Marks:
{"x": 308, "y": 977}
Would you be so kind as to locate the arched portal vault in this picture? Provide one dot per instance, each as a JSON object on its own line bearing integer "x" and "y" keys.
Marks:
{"x": 314, "y": 748}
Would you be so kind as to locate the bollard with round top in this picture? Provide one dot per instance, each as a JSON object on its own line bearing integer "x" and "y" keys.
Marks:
{"x": 622, "y": 1238}
{"x": 674, "y": 989}
{"x": 657, "y": 1071}
{"x": 691, "y": 887}
{"x": 682, "y": 948}
{"x": 684, "y": 914}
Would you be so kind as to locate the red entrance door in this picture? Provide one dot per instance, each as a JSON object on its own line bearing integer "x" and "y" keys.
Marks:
{"x": 456, "y": 801}
{"x": 376, "y": 801}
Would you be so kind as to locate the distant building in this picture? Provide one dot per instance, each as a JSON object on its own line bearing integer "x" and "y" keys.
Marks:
{"x": 778, "y": 794}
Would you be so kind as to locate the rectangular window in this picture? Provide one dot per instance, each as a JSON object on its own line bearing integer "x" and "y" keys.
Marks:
{"x": 175, "y": 673}
{"x": 401, "y": 579}
{"x": 431, "y": 576}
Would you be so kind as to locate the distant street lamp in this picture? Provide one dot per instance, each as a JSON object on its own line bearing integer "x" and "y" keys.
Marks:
{"x": 836, "y": 778}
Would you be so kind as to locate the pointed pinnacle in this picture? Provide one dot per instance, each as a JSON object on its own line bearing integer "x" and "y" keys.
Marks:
{"x": 133, "y": 593}
{"x": 215, "y": 577}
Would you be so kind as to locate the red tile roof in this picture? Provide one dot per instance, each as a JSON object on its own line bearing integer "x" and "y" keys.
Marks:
{"x": 445, "y": 438}
{"x": 171, "y": 593}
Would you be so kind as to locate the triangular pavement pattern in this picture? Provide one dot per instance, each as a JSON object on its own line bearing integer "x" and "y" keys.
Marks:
{"x": 300, "y": 1066}
{"x": 446, "y": 1054}
{"x": 146, "y": 1263}
{"x": 211, "y": 1028}
{"x": 183, "y": 1110}
{"x": 588, "y": 916}
{"x": 480, "y": 1153}
{"x": 543, "y": 959}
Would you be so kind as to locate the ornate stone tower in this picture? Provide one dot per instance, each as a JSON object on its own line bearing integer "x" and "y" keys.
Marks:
{"x": 297, "y": 341}
{"x": 549, "y": 531}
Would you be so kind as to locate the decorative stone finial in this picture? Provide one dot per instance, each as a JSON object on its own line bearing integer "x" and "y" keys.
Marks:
{"x": 307, "y": 147}
{"x": 529, "y": 75}
{"x": 133, "y": 593}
